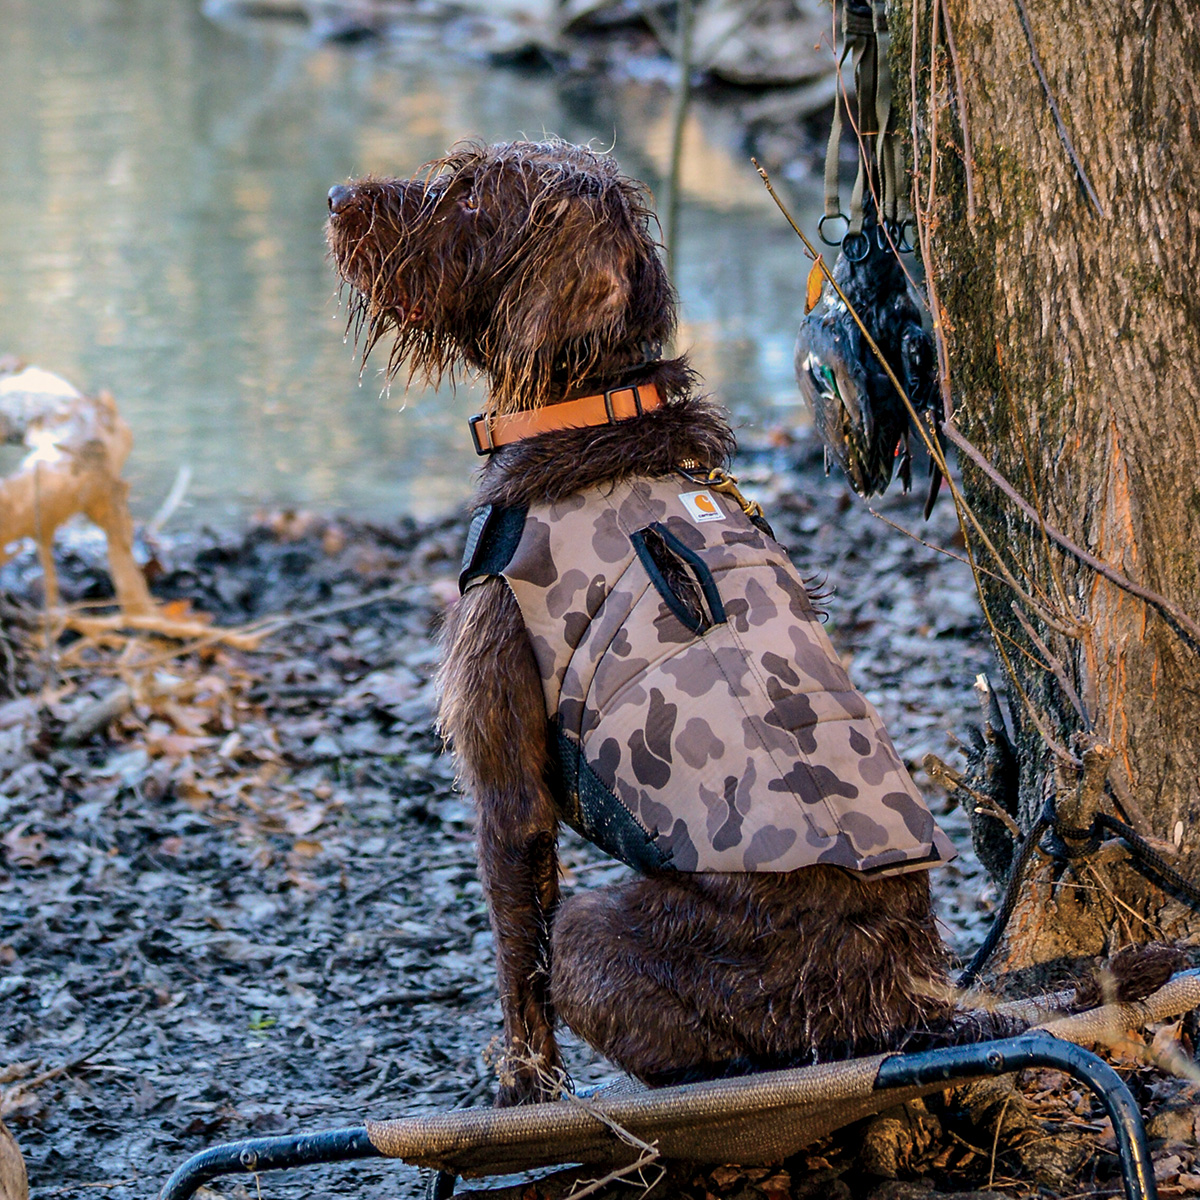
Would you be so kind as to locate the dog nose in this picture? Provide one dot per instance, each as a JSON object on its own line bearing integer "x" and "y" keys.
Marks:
{"x": 339, "y": 197}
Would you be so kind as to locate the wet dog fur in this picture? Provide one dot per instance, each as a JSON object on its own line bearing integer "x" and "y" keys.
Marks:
{"x": 534, "y": 265}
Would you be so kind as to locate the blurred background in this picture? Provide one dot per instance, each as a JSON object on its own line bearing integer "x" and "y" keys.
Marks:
{"x": 165, "y": 166}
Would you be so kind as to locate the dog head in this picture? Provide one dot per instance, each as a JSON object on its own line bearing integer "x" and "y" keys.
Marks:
{"x": 531, "y": 262}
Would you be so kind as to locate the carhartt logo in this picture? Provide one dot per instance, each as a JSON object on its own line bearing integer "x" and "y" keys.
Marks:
{"x": 702, "y": 506}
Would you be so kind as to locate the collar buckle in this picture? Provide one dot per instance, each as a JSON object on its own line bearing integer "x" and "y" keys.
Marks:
{"x": 474, "y": 424}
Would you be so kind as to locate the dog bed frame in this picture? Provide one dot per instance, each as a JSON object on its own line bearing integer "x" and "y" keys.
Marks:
{"x": 750, "y": 1120}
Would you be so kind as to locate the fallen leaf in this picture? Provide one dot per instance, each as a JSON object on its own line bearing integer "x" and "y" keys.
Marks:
{"x": 24, "y": 851}
{"x": 176, "y": 745}
{"x": 1167, "y": 1168}
{"x": 182, "y": 610}
{"x": 16, "y": 712}
{"x": 305, "y": 820}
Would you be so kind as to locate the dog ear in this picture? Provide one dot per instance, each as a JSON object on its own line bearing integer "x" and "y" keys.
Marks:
{"x": 569, "y": 303}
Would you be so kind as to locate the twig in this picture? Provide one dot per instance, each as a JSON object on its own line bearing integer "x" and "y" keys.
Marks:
{"x": 921, "y": 216}
{"x": 183, "y": 477}
{"x": 556, "y": 1082}
{"x": 933, "y": 106}
{"x": 97, "y": 715}
{"x": 376, "y": 1087}
{"x": 929, "y": 545}
{"x": 162, "y": 626}
{"x": 1063, "y": 135}
{"x": 255, "y": 631}
{"x": 950, "y": 780}
{"x": 645, "y": 1159}
{"x": 1027, "y": 459}
{"x": 708, "y": 57}
{"x": 1134, "y": 813}
{"x": 411, "y": 996}
{"x": 1056, "y": 666}
{"x": 269, "y": 625}
{"x": 1104, "y": 887}
{"x": 649, "y": 1150}
{"x": 996, "y": 1140}
{"x": 66, "y": 1068}
{"x": 106, "y": 1185}
{"x": 1172, "y": 611}
{"x": 963, "y": 123}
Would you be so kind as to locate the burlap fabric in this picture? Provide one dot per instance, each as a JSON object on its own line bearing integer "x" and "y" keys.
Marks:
{"x": 755, "y": 1119}
{"x": 758, "y": 1118}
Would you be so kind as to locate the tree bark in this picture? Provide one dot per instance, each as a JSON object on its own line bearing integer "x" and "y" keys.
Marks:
{"x": 1070, "y": 312}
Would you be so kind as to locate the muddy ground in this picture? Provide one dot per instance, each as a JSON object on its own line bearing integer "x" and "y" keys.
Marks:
{"x": 248, "y": 903}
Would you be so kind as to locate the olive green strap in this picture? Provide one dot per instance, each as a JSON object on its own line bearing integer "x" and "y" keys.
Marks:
{"x": 858, "y": 44}
{"x": 885, "y": 137}
{"x": 833, "y": 202}
{"x": 867, "y": 41}
{"x": 864, "y": 86}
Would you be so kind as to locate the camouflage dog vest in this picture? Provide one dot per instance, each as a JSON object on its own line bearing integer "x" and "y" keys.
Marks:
{"x": 721, "y": 736}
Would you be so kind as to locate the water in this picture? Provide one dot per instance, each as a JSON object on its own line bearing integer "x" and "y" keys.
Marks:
{"x": 161, "y": 236}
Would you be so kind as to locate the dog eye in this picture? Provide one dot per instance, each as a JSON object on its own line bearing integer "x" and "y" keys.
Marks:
{"x": 470, "y": 202}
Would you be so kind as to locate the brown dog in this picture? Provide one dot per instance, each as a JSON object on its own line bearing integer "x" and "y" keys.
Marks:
{"x": 783, "y": 913}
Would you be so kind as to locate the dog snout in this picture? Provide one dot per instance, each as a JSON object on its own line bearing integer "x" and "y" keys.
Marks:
{"x": 340, "y": 198}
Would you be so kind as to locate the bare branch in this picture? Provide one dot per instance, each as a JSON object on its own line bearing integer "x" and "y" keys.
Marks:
{"x": 1063, "y": 135}
{"x": 963, "y": 122}
{"x": 1056, "y": 666}
{"x": 1174, "y": 614}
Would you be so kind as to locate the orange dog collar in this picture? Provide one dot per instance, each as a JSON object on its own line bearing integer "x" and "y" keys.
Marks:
{"x": 606, "y": 408}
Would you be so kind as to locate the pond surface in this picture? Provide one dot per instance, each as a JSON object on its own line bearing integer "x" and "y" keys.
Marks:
{"x": 161, "y": 236}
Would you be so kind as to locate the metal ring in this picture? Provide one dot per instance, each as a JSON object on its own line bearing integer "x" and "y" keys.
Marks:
{"x": 889, "y": 236}
{"x": 838, "y": 216}
{"x": 852, "y": 240}
{"x": 906, "y": 247}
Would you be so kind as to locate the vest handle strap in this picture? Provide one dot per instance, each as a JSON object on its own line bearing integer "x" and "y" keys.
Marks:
{"x": 492, "y": 540}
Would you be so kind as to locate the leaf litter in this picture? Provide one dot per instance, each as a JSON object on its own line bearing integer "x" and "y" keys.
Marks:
{"x": 237, "y": 887}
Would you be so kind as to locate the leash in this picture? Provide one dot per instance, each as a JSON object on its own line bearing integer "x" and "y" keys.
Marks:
{"x": 1143, "y": 858}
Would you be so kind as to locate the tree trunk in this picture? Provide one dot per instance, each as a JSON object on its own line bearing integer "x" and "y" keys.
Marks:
{"x": 1070, "y": 311}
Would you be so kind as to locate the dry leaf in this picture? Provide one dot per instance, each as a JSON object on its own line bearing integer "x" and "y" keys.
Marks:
{"x": 176, "y": 745}
{"x": 816, "y": 281}
{"x": 24, "y": 851}
{"x": 305, "y": 820}
{"x": 188, "y": 718}
{"x": 19, "y": 1070}
{"x": 181, "y": 610}
{"x": 17, "y": 712}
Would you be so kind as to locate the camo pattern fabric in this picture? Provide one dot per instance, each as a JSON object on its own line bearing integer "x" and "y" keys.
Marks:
{"x": 739, "y": 747}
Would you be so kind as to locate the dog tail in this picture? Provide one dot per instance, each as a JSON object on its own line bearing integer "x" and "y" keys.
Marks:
{"x": 1130, "y": 975}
